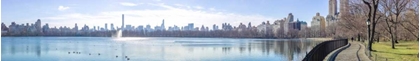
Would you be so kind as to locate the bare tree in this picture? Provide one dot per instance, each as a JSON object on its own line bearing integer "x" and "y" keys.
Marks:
{"x": 393, "y": 9}
{"x": 373, "y": 6}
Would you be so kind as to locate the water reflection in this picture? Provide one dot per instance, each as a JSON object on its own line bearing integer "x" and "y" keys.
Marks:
{"x": 89, "y": 48}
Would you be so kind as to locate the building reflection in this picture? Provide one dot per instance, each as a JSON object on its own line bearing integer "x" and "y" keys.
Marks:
{"x": 291, "y": 50}
{"x": 14, "y": 46}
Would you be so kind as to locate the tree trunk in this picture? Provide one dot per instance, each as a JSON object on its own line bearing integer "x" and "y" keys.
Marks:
{"x": 396, "y": 34}
{"x": 390, "y": 32}
{"x": 369, "y": 38}
{"x": 377, "y": 39}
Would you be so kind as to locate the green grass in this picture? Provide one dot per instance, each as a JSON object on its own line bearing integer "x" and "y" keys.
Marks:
{"x": 404, "y": 51}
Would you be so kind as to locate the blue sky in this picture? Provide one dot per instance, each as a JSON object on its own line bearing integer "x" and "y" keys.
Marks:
{"x": 143, "y": 12}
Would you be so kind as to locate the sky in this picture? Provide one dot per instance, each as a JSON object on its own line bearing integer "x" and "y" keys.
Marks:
{"x": 152, "y": 12}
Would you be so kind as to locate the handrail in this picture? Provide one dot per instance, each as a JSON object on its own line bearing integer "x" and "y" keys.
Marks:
{"x": 319, "y": 52}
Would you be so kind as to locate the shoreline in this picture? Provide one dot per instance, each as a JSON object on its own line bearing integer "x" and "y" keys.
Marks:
{"x": 320, "y": 39}
{"x": 312, "y": 39}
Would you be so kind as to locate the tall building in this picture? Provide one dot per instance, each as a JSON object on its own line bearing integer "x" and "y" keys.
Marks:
{"x": 106, "y": 27}
{"x": 158, "y": 28}
{"x": 286, "y": 25}
{"x": 94, "y": 28}
{"x": 122, "y": 26}
{"x": 278, "y": 26}
{"x": 170, "y": 28}
{"x": 226, "y": 26}
{"x": 85, "y": 28}
{"x": 76, "y": 28}
{"x": 176, "y": 28}
{"x": 333, "y": 15}
{"x": 332, "y": 7}
{"x": 190, "y": 26}
{"x": 318, "y": 22}
{"x": 45, "y": 28}
{"x": 162, "y": 26}
{"x": 262, "y": 28}
{"x": 98, "y": 28}
{"x": 207, "y": 28}
{"x": 148, "y": 28}
{"x": 38, "y": 26}
{"x": 303, "y": 25}
{"x": 3, "y": 27}
{"x": 242, "y": 26}
{"x": 202, "y": 28}
{"x": 290, "y": 17}
{"x": 215, "y": 27}
{"x": 31, "y": 29}
{"x": 298, "y": 25}
{"x": 140, "y": 27}
{"x": 112, "y": 26}
{"x": 249, "y": 25}
{"x": 128, "y": 27}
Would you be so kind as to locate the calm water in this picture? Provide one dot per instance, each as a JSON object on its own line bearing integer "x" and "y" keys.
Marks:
{"x": 152, "y": 49}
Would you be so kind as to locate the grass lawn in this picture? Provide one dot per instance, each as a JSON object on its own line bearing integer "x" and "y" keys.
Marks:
{"x": 404, "y": 51}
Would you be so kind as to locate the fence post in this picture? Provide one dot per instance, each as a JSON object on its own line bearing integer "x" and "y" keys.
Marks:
{"x": 376, "y": 57}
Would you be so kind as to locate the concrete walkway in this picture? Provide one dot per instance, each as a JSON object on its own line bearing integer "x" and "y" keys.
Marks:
{"x": 353, "y": 53}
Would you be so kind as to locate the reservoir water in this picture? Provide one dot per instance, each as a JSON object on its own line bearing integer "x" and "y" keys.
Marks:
{"x": 152, "y": 49}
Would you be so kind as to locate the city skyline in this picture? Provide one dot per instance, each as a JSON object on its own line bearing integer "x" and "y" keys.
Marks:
{"x": 152, "y": 12}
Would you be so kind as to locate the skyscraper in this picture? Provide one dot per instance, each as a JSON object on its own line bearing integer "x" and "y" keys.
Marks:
{"x": 190, "y": 26}
{"x": 202, "y": 28}
{"x": 122, "y": 26}
{"x": 38, "y": 26}
{"x": 290, "y": 17}
{"x": 215, "y": 27}
{"x": 45, "y": 28}
{"x": 140, "y": 27}
{"x": 249, "y": 25}
{"x": 148, "y": 28}
{"x": 106, "y": 27}
{"x": 94, "y": 28}
{"x": 98, "y": 28}
{"x": 163, "y": 25}
{"x": 76, "y": 28}
{"x": 332, "y": 7}
{"x": 112, "y": 26}
{"x": 3, "y": 27}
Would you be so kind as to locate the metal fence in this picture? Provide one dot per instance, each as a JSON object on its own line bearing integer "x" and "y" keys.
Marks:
{"x": 319, "y": 52}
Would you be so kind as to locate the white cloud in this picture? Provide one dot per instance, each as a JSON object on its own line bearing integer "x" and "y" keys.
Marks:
{"x": 212, "y": 9}
{"x": 179, "y": 5}
{"x": 128, "y": 4}
{"x": 172, "y": 16}
{"x": 198, "y": 7}
{"x": 62, "y": 8}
